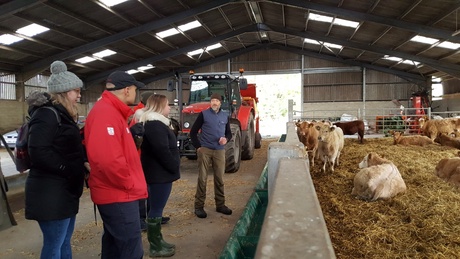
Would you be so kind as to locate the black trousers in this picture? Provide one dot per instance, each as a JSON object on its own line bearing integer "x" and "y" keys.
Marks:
{"x": 122, "y": 236}
{"x": 144, "y": 208}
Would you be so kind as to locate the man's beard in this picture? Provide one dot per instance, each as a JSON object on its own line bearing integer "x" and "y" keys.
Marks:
{"x": 215, "y": 108}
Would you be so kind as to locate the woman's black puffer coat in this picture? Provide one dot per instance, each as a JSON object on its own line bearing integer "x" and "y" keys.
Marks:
{"x": 159, "y": 153}
{"x": 55, "y": 181}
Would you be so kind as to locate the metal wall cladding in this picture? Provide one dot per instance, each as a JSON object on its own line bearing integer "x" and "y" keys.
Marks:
{"x": 324, "y": 80}
{"x": 389, "y": 91}
{"x": 331, "y": 93}
{"x": 348, "y": 86}
{"x": 381, "y": 86}
{"x": 7, "y": 86}
{"x": 214, "y": 68}
{"x": 318, "y": 63}
{"x": 451, "y": 86}
{"x": 38, "y": 80}
{"x": 334, "y": 86}
{"x": 266, "y": 61}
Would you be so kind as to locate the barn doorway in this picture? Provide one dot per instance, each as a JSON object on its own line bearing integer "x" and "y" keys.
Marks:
{"x": 273, "y": 92}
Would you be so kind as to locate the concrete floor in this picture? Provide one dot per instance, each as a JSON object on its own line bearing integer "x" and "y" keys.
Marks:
{"x": 193, "y": 237}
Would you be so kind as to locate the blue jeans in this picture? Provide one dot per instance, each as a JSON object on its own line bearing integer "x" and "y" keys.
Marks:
{"x": 56, "y": 238}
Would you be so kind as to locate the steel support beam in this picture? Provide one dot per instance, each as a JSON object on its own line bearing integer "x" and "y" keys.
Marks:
{"x": 359, "y": 16}
{"x": 101, "y": 76}
{"x": 449, "y": 68}
{"x": 42, "y": 64}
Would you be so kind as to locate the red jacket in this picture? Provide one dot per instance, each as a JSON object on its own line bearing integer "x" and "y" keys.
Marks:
{"x": 116, "y": 171}
{"x": 138, "y": 106}
{"x": 133, "y": 119}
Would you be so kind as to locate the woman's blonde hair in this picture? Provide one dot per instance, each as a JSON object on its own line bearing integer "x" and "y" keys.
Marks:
{"x": 61, "y": 98}
{"x": 155, "y": 103}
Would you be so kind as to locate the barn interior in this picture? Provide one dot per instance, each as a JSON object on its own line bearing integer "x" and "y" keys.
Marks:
{"x": 347, "y": 52}
{"x": 363, "y": 58}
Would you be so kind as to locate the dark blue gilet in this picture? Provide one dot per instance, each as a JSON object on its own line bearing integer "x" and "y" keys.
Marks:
{"x": 213, "y": 128}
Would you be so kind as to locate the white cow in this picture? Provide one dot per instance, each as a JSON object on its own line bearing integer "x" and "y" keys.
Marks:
{"x": 379, "y": 178}
{"x": 330, "y": 145}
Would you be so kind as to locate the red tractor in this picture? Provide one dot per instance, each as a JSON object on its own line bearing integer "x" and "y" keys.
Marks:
{"x": 238, "y": 100}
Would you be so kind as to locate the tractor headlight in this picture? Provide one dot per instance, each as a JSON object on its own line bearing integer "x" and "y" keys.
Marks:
{"x": 186, "y": 124}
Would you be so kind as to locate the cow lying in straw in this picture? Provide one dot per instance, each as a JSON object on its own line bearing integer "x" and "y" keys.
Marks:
{"x": 379, "y": 178}
{"x": 446, "y": 140}
{"x": 417, "y": 140}
{"x": 448, "y": 169}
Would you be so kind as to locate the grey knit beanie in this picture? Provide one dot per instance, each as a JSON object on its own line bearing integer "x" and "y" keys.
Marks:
{"x": 62, "y": 80}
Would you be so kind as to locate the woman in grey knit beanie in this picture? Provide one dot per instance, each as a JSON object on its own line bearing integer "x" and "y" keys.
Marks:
{"x": 64, "y": 87}
{"x": 56, "y": 176}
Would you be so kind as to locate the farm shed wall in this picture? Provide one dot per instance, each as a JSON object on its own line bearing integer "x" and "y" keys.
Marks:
{"x": 334, "y": 84}
{"x": 323, "y": 82}
{"x": 448, "y": 103}
{"x": 267, "y": 62}
{"x": 357, "y": 109}
{"x": 451, "y": 86}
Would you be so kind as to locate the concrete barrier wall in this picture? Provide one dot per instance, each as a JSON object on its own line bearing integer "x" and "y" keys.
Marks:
{"x": 16, "y": 183}
{"x": 294, "y": 225}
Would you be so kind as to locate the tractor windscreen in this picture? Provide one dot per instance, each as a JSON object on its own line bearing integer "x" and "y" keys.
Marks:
{"x": 202, "y": 90}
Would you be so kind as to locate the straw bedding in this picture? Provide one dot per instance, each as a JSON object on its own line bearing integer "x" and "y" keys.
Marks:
{"x": 423, "y": 222}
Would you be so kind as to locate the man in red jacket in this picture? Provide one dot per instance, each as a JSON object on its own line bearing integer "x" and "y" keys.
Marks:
{"x": 116, "y": 180}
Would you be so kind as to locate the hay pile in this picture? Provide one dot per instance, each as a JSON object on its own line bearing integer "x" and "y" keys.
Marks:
{"x": 424, "y": 222}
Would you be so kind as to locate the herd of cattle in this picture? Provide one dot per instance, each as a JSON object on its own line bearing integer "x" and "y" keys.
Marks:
{"x": 378, "y": 178}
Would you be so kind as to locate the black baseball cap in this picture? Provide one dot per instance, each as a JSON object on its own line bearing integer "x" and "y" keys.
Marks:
{"x": 121, "y": 79}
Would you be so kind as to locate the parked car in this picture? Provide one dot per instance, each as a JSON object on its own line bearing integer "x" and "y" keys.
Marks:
{"x": 10, "y": 139}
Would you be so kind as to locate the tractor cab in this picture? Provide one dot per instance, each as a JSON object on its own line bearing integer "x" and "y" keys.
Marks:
{"x": 227, "y": 86}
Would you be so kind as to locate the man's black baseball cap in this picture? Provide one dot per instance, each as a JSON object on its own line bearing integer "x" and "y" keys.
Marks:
{"x": 121, "y": 79}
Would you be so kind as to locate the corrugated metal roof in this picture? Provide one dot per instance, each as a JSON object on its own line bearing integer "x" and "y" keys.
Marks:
{"x": 81, "y": 28}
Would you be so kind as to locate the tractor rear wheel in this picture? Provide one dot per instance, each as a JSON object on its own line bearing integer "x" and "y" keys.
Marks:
{"x": 233, "y": 150}
{"x": 258, "y": 140}
{"x": 249, "y": 140}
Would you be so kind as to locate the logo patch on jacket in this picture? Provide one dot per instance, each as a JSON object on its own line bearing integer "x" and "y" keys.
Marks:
{"x": 111, "y": 131}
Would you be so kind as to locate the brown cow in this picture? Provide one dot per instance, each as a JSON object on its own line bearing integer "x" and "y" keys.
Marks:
{"x": 378, "y": 178}
{"x": 330, "y": 145}
{"x": 448, "y": 169}
{"x": 351, "y": 128}
{"x": 417, "y": 140}
{"x": 308, "y": 135}
{"x": 446, "y": 140}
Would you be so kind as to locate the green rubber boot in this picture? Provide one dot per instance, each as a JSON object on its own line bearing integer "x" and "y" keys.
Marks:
{"x": 163, "y": 242}
{"x": 158, "y": 248}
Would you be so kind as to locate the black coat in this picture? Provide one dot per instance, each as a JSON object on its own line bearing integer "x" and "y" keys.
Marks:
{"x": 55, "y": 182}
{"x": 159, "y": 153}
